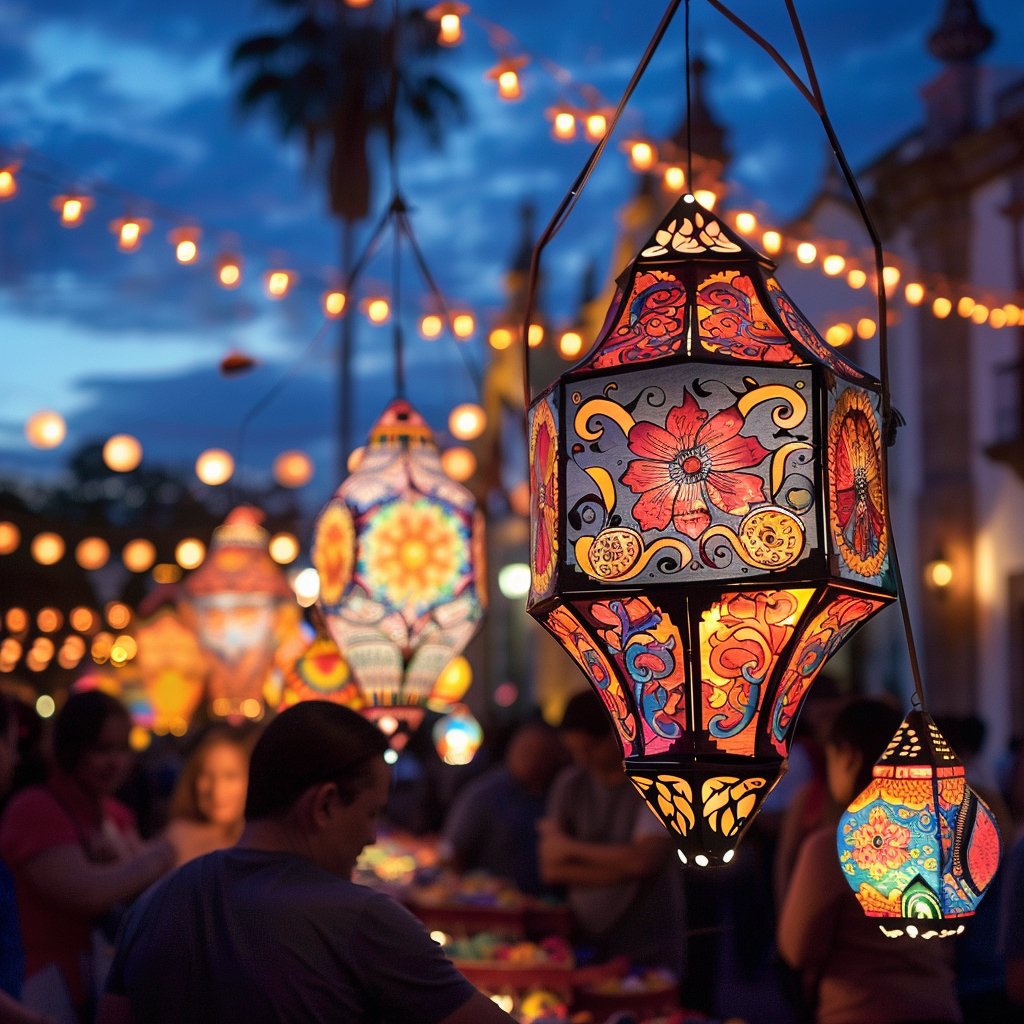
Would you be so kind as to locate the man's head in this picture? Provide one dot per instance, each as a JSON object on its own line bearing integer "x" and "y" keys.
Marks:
{"x": 534, "y": 756}
{"x": 319, "y": 769}
{"x": 587, "y": 734}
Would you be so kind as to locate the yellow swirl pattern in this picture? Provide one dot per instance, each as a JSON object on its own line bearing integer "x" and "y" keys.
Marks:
{"x": 619, "y": 554}
{"x": 768, "y": 538}
{"x": 779, "y": 458}
{"x": 776, "y": 393}
{"x": 605, "y": 484}
{"x": 601, "y": 407}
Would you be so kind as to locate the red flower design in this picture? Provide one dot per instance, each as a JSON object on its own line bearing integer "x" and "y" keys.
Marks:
{"x": 690, "y": 462}
{"x": 880, "y": 845}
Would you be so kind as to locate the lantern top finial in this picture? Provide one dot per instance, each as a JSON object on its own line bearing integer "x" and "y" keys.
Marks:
{"x": 401, "y": 425}
{"x": 690, "y": 230}
{"x": 918, "y": 742}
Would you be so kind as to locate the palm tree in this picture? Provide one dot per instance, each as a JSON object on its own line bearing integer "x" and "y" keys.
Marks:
{"x": 337, "y": 77}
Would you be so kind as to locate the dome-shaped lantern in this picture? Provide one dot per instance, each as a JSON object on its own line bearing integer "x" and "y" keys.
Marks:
{"x": 708, "y": 522}
{"x": 238, "y": 601}
{"x": 918, "y": 846}
{"x": 399, "y": 549}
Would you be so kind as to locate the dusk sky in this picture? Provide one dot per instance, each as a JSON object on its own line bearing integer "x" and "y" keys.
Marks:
{"x": 133, "y": 102}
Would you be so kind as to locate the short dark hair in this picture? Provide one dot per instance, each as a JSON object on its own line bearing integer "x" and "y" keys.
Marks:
{"x": 586, "y": 713}
{"x": 866, "y": 724}
{"x": 312, "y": 742}
{"x": 79, "y": 723}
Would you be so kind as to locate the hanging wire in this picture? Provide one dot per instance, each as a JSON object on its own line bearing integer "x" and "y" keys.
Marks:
{"x": 812, "y": 94}
{"x": 689, "y": 105}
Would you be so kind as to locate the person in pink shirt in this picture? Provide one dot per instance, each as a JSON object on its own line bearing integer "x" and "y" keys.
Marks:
{"x": 75, "y": 855}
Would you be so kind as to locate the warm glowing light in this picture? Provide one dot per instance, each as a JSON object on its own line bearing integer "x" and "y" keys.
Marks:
{"x": 186, "y": 243}
{"x": 674, "y": 179}
{"x": 122, "y": 453}
{"x": 595, "y": 124}
{"x": 83, "y": 619}
{"x": 833, "y": 264}
{"x": 866, "y": 327}
{"x": 506, "y": 74}
{"x": 463, "y": 325}
{"x": 997, "y": 317}
{"x": 47, "y": 548}
{"x": 45, "y": 706}
{"x": 378, "y": 310}
{"x": 772, "y": 242}
{"x": 306, "y": 586}
{"x": 72, "y": 209}
{"x": 129, "y": 231}
{"x": 49, "y": 620}
{"x": 334, "y": 303}
{"x": 941, "y": 307}
{"x": 118, "y": 614}
{"x": 939, "y": 573}
{"x": 535, "y": 335}
{"x": 806, "y": 252}
{"x": 746, "y": 223}
{"x": 449, "y": 22}
{"x": 277, "y": 283}
{"x": 355, "y": 458}
{"x": 92, "y": 553}
{"x": 965, "y": 307}
{"x": 189, "y": 553}
{"x": 839, "y": 334}
{"x": 293, "y": 468}
{"x": 641, "y": 155}
{"x": 500, "y": 338}
{"x": 10, "y": 537}
{"x": 123, "y": 649}
{"x": 229, "y": 270}
{"x": 459, "y": 463}
{"x": 890, "y": 277}
{"x": 100, "y": 648}
{"x": 570, "y": 344}
{"x": 514, "y": 580}
{"x": 705, "y": 197}
{"x": 431, "y": 326}
{"x": 467, "y": 421}
{"x": 856, "y": 278}
{"x": 457, "y": 736}
{"x": 979, "y": 314}
{"x": 45, "y": 429}
{"x": 563, "y": 124}
{"x": 215, "y": 467}
{"x": 1013, "y": 314}
{"x": 8, "y": 181}
{"x": 166, "y": 572}
{"x": 914, "y": 293}
{"x": 138, "y": 555}
{"x": 284, "y": 548}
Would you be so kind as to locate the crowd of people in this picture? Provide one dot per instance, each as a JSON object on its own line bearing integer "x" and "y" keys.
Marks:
{"x": 235, "y": 903}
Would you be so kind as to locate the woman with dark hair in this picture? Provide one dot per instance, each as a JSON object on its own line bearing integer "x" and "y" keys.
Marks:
{"x": 850, "y": 972}
{"x": 207, "y": 810}
{"x": 75, "y": 854}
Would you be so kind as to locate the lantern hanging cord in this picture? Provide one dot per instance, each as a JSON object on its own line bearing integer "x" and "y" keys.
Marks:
{"x": 572, "y": 196}
{"x": 689, "y": 105}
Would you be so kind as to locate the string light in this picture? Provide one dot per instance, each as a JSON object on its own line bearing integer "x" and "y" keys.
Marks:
{"x": 570, "y": 344}
{"x": 772, "y": 242}
{"x": 92, "y": 553}
{"x": 866, "y": 328}
{"x": 500, "y": 338}
{"x": 563, "y": 123}
{"x": 10, "y": 537}
{"x": 293, "y": 469}
{"x": 979, "y": 314}
{"x": 47, "y": 548}
{"x": 129, "y": 231}
{"x": 138, "y": 555}
{"x": 459, "y": 463}
{"x": 72, "y": 208}
{"x": 706, "y": 197}
{"x": 833, "y": 264}
{"x": 45, "y": 429}
{"x": 641, "y": 155}
{"x": 595, "y": 125}
{"x": 535, "y": 335}
{"x": 467, "y": 421}
{"x": 746, "y": 223}
{"x": 449, "y": 17}
{"x": 278, "y": 282}
{"x": 506, "y": 74}
{"x": 431, "y": 326}
{"x": 965, "y": 307}
{"x": 941, "y": 307}
{"x": 186, "y": 243}
{"x": 463, "y": 325}
{"x": 214, "y": 467}
{"x": 8, "y": 181}
{"x": 122, "y": 453}
{"x": 189, "y": 553}
{"x": 806, "y": 252}
{"x": 283, "y": 548}
{"x": 674, "y": 178}
{"x": 377, "y": 310}
{"x": 914, "y": 293}
{"x": 229, "y": 270}
{"x": 856, "y": 278}
{"x": 334, "y": 304}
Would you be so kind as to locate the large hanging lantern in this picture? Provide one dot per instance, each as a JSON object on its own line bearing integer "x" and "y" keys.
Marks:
{"x": 320, "y": 673}
{"x": 399, "y": 550}
{"x": 238, "y": 602}
{"x": 708, "y": 522}
{"x": 918, "y": 846}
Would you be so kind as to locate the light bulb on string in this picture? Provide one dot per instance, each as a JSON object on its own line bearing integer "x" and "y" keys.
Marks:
{"x": 563, "y": 123}
{"x": 45, "y": 429}
{"x": 8, "y": 181}
{"x": 229, "y": 270}
{"x": 72, "y": 208}
{"x": 185, "y": 240}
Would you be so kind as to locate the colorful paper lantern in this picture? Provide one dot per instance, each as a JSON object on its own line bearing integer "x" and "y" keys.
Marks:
{"x": 708, "y": 522}
{"x": 320, "y": 673}
{"x": 399, "y": 550}
{"x": 457, "y": 736}
{"x": 918, "y": 846}
{"x": 173, "y": 669}
{"x": 237, "y": 602}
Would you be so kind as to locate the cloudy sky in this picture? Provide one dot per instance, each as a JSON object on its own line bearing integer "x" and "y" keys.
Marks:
{"x": 133, "y": 102}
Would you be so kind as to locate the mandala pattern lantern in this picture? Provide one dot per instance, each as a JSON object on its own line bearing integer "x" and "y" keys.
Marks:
{"x": 238, "y": 601}
{"x": 918, "y": 846}
{"x": 399, "y": 552}
{"x": 708, "y": 522}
